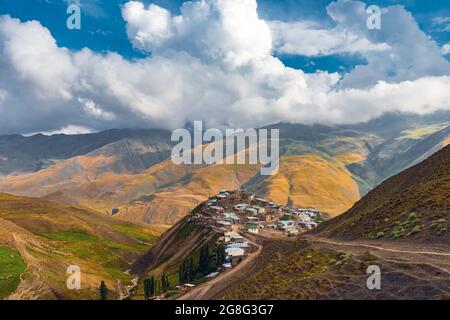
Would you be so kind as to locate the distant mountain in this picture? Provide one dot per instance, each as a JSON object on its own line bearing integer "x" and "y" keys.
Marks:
{"x": 19, "y": 154}
{"x": 412, "y": 205}
{"x": 325, "y": 167}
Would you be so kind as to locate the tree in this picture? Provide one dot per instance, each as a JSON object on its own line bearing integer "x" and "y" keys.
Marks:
{"x": 103, "y": 290}
{"x": 181, "y": 273}
{"x": 152, "y": 286}
{"x": 220, "y": 255}
{"x": 164, "y": 282}
{"x": 203, "y": 264}
{"x": 190, "y": 270}
{"x": 149, "y": 287}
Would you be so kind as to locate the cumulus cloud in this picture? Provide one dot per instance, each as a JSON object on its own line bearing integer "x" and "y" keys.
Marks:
{"x": 213, "y": 62}
{"x": 412, "y": 54}
{"x": 224, "y": 31}
{"x": 308, "y": 39}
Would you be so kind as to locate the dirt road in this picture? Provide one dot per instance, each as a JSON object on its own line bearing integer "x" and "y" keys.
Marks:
{"x": 204, "y": 291}
{"x": 436, "y": 256}
{"x": 356, "y": 244}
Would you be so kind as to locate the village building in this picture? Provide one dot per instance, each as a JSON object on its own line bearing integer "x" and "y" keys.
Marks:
{"x": 308, "y": 224}
{"x": 242, "y": 245}
{"x": 212, "y": 275}
{"x": 233, "y": 236}
{"x": 284, "y": 225}
{"x": 187, "y": 287}
{"x": 224, "y": 225}
{"x": 240, "y": 207}
{"x": 231, "y": 217}
{"x": 259, "y": 209}
{"x": 217, "y": 209}
{"x": 234, "y": 255}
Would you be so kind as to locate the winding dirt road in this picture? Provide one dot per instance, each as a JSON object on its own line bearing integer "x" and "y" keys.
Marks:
{"x": 355, "y": 244}
{"x": 203, "y": 292}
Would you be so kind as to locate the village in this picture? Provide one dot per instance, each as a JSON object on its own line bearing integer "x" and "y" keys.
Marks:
{"x": 238, "y": 218}
{"x": 233, "y": 211}
{"x": 239, "y": 215}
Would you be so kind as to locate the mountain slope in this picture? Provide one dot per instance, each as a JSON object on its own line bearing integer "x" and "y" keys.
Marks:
{"x": 50, "y": 237}
{"x": 408, "y": 214}
{"x": 413, "y": 204}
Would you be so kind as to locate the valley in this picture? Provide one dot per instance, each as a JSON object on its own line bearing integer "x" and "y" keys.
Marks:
{"x": 126, "y": 215}
{"x": 331, "y": 260}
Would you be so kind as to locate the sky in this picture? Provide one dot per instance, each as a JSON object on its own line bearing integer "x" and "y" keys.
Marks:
{"x": 230, "y": 63}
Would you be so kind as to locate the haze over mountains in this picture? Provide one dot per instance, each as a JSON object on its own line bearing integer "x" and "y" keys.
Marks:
{"x": 327, "y": 167}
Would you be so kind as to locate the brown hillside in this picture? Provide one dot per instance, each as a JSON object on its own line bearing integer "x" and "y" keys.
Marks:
{"x": 412, "y": 205}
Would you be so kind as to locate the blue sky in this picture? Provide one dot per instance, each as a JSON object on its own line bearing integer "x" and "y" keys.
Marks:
{"x": 104, "y": 28}
{"x": 229, "y": 63}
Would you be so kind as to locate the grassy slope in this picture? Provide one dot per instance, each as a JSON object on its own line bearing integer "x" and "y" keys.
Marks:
{"x": 11, "y": 267}
{"x": 183, "y": 241}
{"x": 297, "y": 269}
{"x": 412, "y": 204}
{"x": 51, "y": 236}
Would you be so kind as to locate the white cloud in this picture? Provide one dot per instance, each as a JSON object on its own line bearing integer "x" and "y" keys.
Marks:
{"x": 213, "y": 62}
{"x": 412, "y": 54}
{"x": 308, "y": 39}
{"x": 225, "y": 31}
{"x": 93, "y": 109}
{"x": 446, "y": 49}
{"x": 69, "y": 130}
{"x": 441, "y": 24}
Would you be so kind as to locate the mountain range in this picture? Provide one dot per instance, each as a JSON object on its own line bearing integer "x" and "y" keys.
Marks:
{"x": 130, "y": 171}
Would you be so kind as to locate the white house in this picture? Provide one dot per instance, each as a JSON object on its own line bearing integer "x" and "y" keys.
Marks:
{"x": 234, "y": 252}
{"x": 233, "y": 236}
{"x": 242, "y": 245}
{"x": 285, "y": 224}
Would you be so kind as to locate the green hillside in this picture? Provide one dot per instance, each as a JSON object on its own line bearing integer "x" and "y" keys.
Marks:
{"x": 50, "y": 237}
